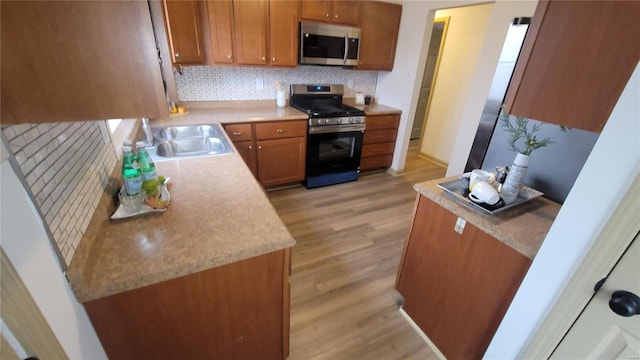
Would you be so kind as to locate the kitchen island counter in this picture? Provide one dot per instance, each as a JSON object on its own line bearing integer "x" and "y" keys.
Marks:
{"x": 218, "y": 215}
{"x": 523, "y": 228}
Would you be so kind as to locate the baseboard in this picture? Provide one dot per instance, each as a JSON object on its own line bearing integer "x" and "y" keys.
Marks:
{"x": 395, "y": 173}
{"x": 433, "y": 160}
{"x": 424, "y": 336}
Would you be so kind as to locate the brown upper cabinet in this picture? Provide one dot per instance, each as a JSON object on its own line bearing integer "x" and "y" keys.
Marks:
{"x": 335, "y": 11}
{"x": 576, "y": 60}
{"x": 380, "y": 25}
{"x": 78, "y": 60}
{"x": 255, "y": 32}
{"x": 182, "y": 19}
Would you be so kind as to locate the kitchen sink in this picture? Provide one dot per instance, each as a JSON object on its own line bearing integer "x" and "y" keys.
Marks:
{"x": 186, "y": 141}
{"x": 186, "y": 131}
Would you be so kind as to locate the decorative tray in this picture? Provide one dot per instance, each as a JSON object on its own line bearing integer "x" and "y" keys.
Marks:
{"x": 453, "y": 189}
{"x": 122, "y": 213}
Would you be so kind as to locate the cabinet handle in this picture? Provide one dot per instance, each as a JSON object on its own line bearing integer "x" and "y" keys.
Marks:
{"x": 335, "y": 16}
{"x": 237, "y": 133}
{"x": 250, "y": 147}
{"x": 326, "y": 15}
{"x": 379, "y": 136}
{"x": 273, "y": 59}
{"x": 377, "y": 150}
{"x": 177, "y": 55}
{"x": 259, "y": 147}
{"x": 264, "y": 58}
{"x": 280, "y": 131}
{"x": 229, "y": 57}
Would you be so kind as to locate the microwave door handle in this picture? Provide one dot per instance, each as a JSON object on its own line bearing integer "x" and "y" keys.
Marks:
{"x": 346, "y": 48}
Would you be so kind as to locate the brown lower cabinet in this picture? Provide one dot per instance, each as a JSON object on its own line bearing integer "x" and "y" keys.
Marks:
{"x": 379, "y": 141}
{"x": 235, "y": 311}
{"x": 456, "y": 287}
{"x": 274, "y": 151}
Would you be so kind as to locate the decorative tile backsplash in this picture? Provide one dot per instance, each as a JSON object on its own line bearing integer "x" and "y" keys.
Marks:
{"x": 66, "y": 166}
{"x": 224, "y": 83}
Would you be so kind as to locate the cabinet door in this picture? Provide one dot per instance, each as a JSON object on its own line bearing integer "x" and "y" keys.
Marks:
{"x": 380, "y": 25}
{"x": 319, "y": 10}
{"x": 575, "y": 62}
{"x": 219, "y": 14}
{"x": 247, "y": 151}
{"x": 250, "y": 20}
{"x": 346, "y": 12}
{"x": 82, "y": 60}
{"x": 281, "y": 161}
{"x": 456, "y": 287}
{"x": 283, "y": 32}
{"x": 182, "y": 19}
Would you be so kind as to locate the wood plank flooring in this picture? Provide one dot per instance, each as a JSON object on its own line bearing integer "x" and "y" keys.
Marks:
{"x": 349, "y": 242}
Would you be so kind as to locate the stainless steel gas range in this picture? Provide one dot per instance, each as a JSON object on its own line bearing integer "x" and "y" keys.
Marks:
{"x": 334, "y": 141}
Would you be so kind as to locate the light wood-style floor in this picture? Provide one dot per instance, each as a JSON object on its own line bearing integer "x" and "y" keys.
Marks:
{"x": 349, "y": 242}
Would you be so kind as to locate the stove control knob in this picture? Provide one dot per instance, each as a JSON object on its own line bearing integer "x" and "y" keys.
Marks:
{"x": 352, "y": 120}
{"x": 340, "y": 121}
{"x": 319, "y": 121}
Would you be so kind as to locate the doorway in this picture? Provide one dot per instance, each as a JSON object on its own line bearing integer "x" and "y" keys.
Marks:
{"x": 434, "y": 53}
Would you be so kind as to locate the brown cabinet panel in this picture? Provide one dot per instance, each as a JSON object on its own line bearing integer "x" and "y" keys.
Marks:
{"x": 382, "y": 135}
{"x": 575, "y": 62}
{"x": 380, "y": 25}
{"x": 457, "y": 287}
{"x": 247, "y": 151}
{"x": 182, "y": 19}
{"x": 251, "y": 18}
{"x": 383, "y": 122}
{"x": 239, "y": 132}
{"x": 346, "y": 12}
{"x": 336, "y": 11}
{"x": 284, "y": 16}
{"x": 378, "y": 149}
{"x": 219, "y": 30}
{"x": 281, "y": 129}
{"x": 281, "y": 161}
{"x": 319, "y": 10}
{"x": 233, "y": 311}
{"x": 78, "y": 60}
{"x": 375, "y": 162}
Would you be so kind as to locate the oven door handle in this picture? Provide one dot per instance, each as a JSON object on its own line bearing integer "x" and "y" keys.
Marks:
{"x": 336, "y": 129}
{"x": 346, "y": 48}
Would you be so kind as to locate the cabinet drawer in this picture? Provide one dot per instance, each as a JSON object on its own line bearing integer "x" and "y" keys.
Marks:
{"x": 375, "y": 162}
{"x": 281, "y": 129}
{"x": 378, "y": 149}
{"x": 239, "y": 132}
{"x": 383, "y": 122}
{"x": 377, "y": 136}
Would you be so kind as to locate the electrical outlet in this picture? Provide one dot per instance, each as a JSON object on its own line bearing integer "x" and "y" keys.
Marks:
{"x": 459, "y": 227}
{"x": 350, "y": 84}
{"x": 259, "y": 84}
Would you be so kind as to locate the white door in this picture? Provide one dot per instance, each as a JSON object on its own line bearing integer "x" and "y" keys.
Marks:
{"x": 599, "y": 332}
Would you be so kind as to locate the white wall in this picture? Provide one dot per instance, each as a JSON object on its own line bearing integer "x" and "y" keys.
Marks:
{"x": 23, "y": 238}
{"x": 463, "y": 43}
{"x": 400, "y": 87}
{"x": 578, "y": 224}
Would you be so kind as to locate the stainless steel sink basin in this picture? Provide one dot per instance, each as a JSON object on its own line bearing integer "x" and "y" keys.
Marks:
{"x": 187, "y": 131}
{"x": 189, "y": 141}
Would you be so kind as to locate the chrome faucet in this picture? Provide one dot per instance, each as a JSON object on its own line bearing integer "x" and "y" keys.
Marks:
{"x": 147, "y": 132}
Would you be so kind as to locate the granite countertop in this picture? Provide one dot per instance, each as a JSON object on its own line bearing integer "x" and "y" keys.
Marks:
{"x": 523, "y": 228}
{"x": 219, "y": 214}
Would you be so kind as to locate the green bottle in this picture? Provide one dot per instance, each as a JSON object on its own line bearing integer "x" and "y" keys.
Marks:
{"x": 147, "y": 167}
{"x": 130, "y": 172}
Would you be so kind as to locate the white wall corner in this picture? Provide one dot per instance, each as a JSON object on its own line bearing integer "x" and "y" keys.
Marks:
{"x": 502, "y": 14}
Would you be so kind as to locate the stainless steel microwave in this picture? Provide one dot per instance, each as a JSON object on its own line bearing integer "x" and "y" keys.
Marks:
{"x": 325, "y": 44}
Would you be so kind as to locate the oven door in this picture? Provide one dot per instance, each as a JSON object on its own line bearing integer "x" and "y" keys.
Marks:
{"x": 333, "y": 152}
